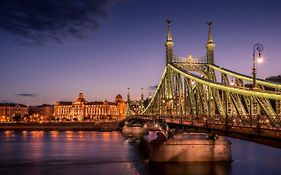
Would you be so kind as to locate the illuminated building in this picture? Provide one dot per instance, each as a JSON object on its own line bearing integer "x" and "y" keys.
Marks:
{"x": 81, "y": 109}
{"x": 13, "y": 109}
{"x": 44, "y": 110}
{"x": 40, "y": 113}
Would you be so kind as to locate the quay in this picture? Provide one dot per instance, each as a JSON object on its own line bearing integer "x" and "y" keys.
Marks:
{"x": 62, "y": 126}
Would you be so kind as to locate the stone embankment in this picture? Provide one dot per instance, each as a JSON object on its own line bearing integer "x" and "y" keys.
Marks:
{"x": 62, "y": 126}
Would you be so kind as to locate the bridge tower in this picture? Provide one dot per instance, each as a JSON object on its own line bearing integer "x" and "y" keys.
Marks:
{"x": 128, "y": 96}
{"x": 128, "y": 111}
{"x": 169, "y": 44}
{"x": 141, "y": 102}
{"x": 213, "y": 94}
{"x": 210, "y": 45}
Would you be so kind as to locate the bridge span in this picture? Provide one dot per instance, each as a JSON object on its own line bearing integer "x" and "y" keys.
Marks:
{"x": 258, "y": 132}
{"x": 195, "y": 94}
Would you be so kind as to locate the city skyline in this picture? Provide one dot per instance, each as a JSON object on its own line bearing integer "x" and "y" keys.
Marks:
{"x": 127, "y": 50}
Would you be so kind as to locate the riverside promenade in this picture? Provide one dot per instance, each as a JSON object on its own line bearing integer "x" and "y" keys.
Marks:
{"x": 62, "y": 126}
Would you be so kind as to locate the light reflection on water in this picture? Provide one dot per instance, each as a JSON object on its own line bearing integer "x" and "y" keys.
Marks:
{"x": 89, "y": 152}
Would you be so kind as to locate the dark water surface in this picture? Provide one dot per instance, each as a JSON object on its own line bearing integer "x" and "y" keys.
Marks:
{"x": 106, "y": 153}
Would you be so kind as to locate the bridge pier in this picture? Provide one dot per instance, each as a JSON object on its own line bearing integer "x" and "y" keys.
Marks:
{"x": 190, "y": 147}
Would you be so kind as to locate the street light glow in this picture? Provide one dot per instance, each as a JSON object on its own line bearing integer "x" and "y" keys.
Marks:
{"x": 260, "y": 59}
{"x": 192, "y": 83}
{"x": 257, "y": 47}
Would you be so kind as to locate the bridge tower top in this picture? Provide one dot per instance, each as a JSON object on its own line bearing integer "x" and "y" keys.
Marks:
{"x": 169, "y": 44}
{"x": 142, "y": 94}
{"x": 128, "y": 96}
{"x": 210, "y": 45}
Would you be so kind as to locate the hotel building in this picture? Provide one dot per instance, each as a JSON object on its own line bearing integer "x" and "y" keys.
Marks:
{"x": 81, "y": 109}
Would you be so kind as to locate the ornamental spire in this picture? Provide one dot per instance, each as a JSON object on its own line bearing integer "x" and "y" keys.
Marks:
{"x": 169, "y": 44}
{"x": 210, "y": 45}
{"x": 128, "y": 96}
{"x": 141, "y": 94}
{"x": 169, "y": 36}
{"x": 210, "y": 38}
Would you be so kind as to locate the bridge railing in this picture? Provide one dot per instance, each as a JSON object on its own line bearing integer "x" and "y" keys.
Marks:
{"x": 254, "y": 125}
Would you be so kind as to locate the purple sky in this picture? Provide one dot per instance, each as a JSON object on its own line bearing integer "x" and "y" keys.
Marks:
{"x": 127, "y": 50}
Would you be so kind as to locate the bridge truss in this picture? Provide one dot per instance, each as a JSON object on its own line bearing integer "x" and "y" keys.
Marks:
{"x": 182, "y": 93}
{"x": 199, "y": 93}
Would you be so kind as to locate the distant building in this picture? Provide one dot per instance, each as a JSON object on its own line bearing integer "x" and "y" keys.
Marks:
{"x": 81, "y": 109}
{"x": 13, "y": 109}
{"x": 43, "y": 110}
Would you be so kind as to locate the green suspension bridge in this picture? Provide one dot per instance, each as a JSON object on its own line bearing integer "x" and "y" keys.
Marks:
{"x": 199, "y": 95}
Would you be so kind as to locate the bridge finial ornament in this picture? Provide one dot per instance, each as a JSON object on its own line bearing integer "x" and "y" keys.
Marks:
{"x": 128, "y": 96}
{"x": 169, "y": 36}
{"x": 210, "y": 39}
{"x": 169, "y": 44}
{"x": 210, "y": 45}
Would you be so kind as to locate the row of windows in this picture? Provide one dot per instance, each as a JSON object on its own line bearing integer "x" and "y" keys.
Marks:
{"x": 11, "y": 112}
{"x": 85, "y": 106}
{"x": 66, "y": 111}
{"x": 86, "y": 113}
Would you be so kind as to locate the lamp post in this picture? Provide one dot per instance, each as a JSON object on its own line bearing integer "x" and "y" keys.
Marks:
{"x": 257, "y": 47}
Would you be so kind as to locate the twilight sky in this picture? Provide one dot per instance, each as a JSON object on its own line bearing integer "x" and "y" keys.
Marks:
{"x": 51, "y": 50}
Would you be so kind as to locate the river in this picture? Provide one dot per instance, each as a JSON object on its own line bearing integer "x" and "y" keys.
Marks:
{"x": 109, "y": 153}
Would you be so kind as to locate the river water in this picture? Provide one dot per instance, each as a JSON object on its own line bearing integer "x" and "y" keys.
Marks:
{"x": 109, "y": 153}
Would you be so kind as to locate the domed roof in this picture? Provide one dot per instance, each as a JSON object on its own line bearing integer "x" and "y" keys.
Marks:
{"x": 118, "y": 98}
{"x": 81, "y": 98}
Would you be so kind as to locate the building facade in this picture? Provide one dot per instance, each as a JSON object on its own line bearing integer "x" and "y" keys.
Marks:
{"x": 43, "y": 110}
{"x": 40, "y": 113}
{"x": 9, "y": 110}
{"x": 81, "y": 109}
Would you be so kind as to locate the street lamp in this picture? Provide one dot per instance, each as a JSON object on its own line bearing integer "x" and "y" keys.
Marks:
{"x": 232, "y": 83}
{"x": 257, "y": 47}
{"x": 193, "y": 82}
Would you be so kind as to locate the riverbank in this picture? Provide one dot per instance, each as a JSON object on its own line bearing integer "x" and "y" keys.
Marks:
{"x": 62, "y": 126}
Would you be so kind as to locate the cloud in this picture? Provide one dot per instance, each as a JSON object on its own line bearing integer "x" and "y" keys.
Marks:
{"x": 5, "y": 101}
{"x": 152, "y": 87}
{"x": 26, "y": 95}
{"x": 37, "y": 21}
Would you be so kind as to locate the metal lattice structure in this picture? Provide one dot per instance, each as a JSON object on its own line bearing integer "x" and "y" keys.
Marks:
{"x": 182, "y": 93}
{"x": 198, "y": 92}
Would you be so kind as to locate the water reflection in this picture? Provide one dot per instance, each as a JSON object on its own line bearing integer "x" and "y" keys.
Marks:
{"x": 37, "y": 134}
{"x": 9, "y": 133}
{"x": 68, "y": 135}
{"x": 36, "y": 147}
{"x": 83, "y": 152}
{"x": 54, "y": 134}
{"x": 24, "y": 134}
{"x": 218, "y": 168}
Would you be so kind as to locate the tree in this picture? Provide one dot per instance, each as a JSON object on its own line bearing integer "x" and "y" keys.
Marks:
{"x": 16, "y": 118}
{"x": 276, "y": 79}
